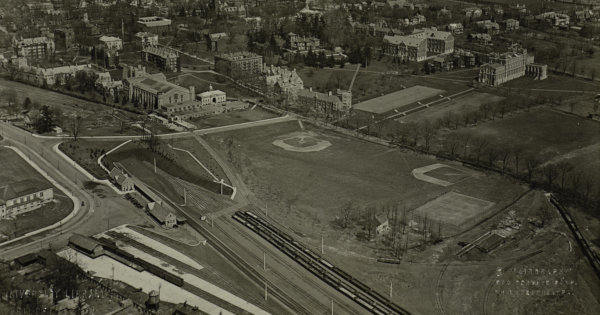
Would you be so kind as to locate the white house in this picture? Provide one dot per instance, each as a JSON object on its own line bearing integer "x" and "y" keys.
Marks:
{"x": 24, "y": 196}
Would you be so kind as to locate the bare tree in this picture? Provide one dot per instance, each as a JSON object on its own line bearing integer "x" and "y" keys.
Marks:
{"x": 75, "y": 125}
{"x": 550, "y": 171}
{"x": 492, "y": 153}
{"x": 346, "y": 211}
{"x": 466, "y": 138}
{"x": 517, "y": 153}
{"x": 504, "y": 156}
{"x": 563, "y": 169}
{"x": 531, "y": 163}
{"x": 428, "y": 131}
{"x": 479, "y": 146}
{"x": 452, "y": 142}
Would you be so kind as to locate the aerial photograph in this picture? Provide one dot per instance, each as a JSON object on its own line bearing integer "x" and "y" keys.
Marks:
{"x": 312, "y": 157}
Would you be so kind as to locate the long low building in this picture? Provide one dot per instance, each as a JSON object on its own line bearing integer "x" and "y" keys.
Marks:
{"x": 389, "y": 102}
{"x": 154, "y": 91}
{"x": 24, "y": 196}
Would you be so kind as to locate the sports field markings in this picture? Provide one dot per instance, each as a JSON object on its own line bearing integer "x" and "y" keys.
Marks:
{"x": 419, "y": 173}
{"x": 302, "y": 142}
{"x": 453, "y": 208}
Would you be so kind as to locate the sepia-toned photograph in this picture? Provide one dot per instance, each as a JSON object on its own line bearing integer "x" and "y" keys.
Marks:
{"x": 310, "y": 157}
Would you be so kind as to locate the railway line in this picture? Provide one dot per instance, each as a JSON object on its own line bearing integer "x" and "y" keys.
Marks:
{"x": 352, "y": 288}
{"x": 314, "y": 305}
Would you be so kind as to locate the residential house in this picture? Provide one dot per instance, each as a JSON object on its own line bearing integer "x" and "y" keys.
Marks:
{"x": 473, "y": 12}
{"x": 147, "y": 39}
{"x": 405, "y": 47}
{"x": 455, "y": 28}
{"x": 480, "y": 38}
{"x": 24, "y": 196}
{"x": 555, "y": 19}
{"x": 488, "y": 27}
{"x": 510, "y": 25}
{"x": 383, "y": 224}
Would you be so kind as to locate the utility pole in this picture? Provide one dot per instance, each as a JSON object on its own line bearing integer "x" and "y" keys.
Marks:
{"x": 265, "y": 290}
{"x": 264, "y": 261}
{"x": 331, "y": 306}
{"x": 322, "y": 249}
{"x": 266, "y": 210}
{"x": 391, "y": 288}
{"x": 212, "y": 220}
{"x": 154, "y": 165}
{"x": 184, "y": 196}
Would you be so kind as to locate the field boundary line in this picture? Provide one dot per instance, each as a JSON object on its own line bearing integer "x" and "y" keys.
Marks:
{"x": 75, "y": 200}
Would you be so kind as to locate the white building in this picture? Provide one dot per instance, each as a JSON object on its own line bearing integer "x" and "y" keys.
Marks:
{"x": 24, "y": 196}
{"x": 111, "y": 43}
{"x": 212, "y": 97}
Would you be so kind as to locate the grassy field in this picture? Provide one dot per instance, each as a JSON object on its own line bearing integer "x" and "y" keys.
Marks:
{"x": 554, "y": 82}
{"x": 307, "y": 189}
{"x": 138, "y": 160}
{"x": 15, "y": 170}
{"x": 541, "y": 131}
{"x": 462, "y": 104}
{"x": 86, "y": 154}
{"x": 231, "y": 118}
{"x": 200, "y": 153}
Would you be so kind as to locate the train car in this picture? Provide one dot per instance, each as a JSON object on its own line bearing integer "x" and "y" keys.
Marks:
{"x": 347, "y": 292}
{"x": 342, "y": 273}
{"x": 326, "y": 263}
{"x": 364, "y": 303}
{"x": 251, "y": 215}
{"x": 360, "y": 285}
{"x": 239, "y": 219}
{"x": 311, "y": 253}
{"x": 329, "y": 278}
{"x": 380, "y": 311}
{"x": 366, "y": 297}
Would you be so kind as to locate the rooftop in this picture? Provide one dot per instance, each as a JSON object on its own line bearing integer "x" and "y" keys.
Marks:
{"x": 160, "y": 51}
{"x": 21, "y": 188}
{"x": 83, "y": 242}
{"x": 389, "y": 102}
{"x": 407, "y": 40}
{"x": 159, "y": 211}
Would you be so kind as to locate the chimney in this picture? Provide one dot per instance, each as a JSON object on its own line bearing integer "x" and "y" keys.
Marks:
{"x": 210, "y": 88}
{"x": 192, "y": 93}
{"x": 329, "y": 93}
{"x": 310, "y": 89}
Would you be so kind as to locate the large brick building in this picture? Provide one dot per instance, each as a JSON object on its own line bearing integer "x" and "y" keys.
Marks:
{"x": 239, "y": 63}
{"x": 37, "y": 47}
{"x": 419, "y": 45}
{"x": 163, "y": 58}
{"x": 153, "y": 91}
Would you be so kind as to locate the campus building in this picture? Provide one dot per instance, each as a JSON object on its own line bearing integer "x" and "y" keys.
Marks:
{"x": 147, "y": 39}
{"x": 50, "y": 76}
{"x": 24, "y": 196}
{"x": 509, "y": 66}
{"x": 162, "y": 57}
{"x": 283, "y": 80}
{"x": 155, "y": 24}
{"x": 63, "y": 38}
{"x": 238, "y": 63}
{"x": 323, "y": 103}
{"x": 419, "y": 45}
{"x": 208, "y": 103}
{"x": 111, "y": 43}
{"x": 37, "y": 47}
{"x": 154, "y": 91}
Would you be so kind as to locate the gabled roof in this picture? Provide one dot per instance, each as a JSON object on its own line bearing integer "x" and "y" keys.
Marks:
{"x": 21, "y": 188}
{"x": 84, "y": 242}
{"x": 159, "y": 211}
{"x": 406, "y": 40}
{"x": 155, "y": 85}
{"x": 320, "y": 96}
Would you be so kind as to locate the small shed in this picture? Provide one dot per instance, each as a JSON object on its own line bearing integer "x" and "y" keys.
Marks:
{"x": 27, "y": 260}
{"x": 125, "y": 183}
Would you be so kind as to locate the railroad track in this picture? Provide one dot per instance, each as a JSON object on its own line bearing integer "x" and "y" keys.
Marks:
{"x": 332, "y": 275}
{"x": 284, "y": 277}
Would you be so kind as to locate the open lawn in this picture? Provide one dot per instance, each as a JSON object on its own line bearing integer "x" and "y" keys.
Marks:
{"x": 190, "y": 144}
{"x": 231, "y": 118}
{"x": 462, "y": 104}
{"x": 541, "y": 131}
{"x": 15, "y": 170}
{"x": 86, "y": 154}
{"x": 307, "y": 189}
{"x": 554, "y": 82}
